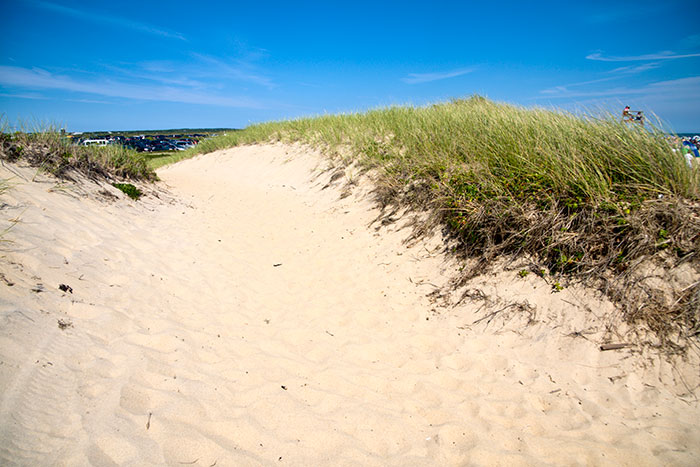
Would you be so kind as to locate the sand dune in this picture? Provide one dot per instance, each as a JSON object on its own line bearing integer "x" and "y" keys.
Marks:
{"x": 249, "y": 312}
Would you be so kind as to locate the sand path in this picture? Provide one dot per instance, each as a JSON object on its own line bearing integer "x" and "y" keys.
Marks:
{"x": 257, "y": 318}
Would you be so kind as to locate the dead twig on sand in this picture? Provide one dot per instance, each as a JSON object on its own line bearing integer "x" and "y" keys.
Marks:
{"x": 605, "y": 347}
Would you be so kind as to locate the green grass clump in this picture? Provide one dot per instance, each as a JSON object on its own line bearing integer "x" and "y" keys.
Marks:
{"x": 156, "y": 160}
{"x": 50, "y": 151}
{"x": 129, "y": 189}
{"x": 586, "y": 196}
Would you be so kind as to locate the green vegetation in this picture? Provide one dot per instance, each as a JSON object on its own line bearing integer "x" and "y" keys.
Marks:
{"x": 48, "y": 150}
{"x": 133, "y": 192}
{"x": 156, "y": 160}
{"x": 589, "y": 198}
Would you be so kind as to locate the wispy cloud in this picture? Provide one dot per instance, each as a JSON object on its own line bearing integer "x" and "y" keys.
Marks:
{"x": 23, "y": 95}
{"x": 565, "y": 87}
{"x": 617, "y": 73}
{"x": 682, "y": 88}
{"x": 665, "y": 55}
{"x": 35, "y": 78}
{"x": 240, "y": 70}
{"x": 202, "y": 72}
{"x": 89, "y": 101}
{"x": 565, "y": 93}
{"x": 681, "y": 82}
{"x": 109, "y": 19}
{"x": 163, "y": 76}
{"x": 629, "y": 70}
{"x": 623, "y": 72}
{"x": 416, "y": 78}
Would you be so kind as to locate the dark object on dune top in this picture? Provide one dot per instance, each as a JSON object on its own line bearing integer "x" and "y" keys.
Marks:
{"x": 65, "y": 288}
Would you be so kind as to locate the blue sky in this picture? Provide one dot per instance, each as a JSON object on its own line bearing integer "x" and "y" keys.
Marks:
{"x": 154, "y": 65}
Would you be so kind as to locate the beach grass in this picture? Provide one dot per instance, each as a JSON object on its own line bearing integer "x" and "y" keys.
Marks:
{"x": 50, "y": 151}
{"x": 159, "y": 159}
{"x": 591, "y": 198}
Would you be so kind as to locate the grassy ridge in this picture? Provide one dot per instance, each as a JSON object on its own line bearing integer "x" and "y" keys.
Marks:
{"x": 547, "y": 151}
{"x": 588, "y": 198}
{"x": 49, "y": 151}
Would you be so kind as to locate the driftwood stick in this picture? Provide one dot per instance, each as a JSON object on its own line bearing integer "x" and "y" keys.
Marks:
{"x": 605, "y": 347}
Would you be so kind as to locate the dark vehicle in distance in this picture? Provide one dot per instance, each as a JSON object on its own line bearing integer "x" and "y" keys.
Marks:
{"x": 147, "y": 141}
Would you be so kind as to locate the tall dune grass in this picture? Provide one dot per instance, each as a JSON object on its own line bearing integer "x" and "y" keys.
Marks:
{"x": 589, "y": 198}
{"x": 48, "y": 150}
{"x": 538, "y": 149}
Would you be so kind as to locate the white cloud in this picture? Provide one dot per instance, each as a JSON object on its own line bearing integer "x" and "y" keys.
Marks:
{"x": 240, "y": 70}
{"x": 88, "y": 101}
{"x": 665, "y": 55}
{"x": 688, "y": 88}
{"x": 204, "y": 72}
{"x": 617, "y": 73}
{"x": 691, "y": 81}
{"x": 566, "y": 87}
{"x": 416, "y": 78}
{"x": 23, "y": 95}
{"x": 628, "y": 70}
{"x": 109, "y": 19}
{"x": 163, "y": 76}
{"x": 35, "y": 78}
{"x": 564, "y": 93}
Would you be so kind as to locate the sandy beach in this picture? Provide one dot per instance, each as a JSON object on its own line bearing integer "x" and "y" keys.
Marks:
{"x": 250, "y": 309}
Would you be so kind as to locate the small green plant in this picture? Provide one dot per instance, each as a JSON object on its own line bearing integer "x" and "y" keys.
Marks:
{"x": 557, "y": 287}
{"x": 663, "y": 241}
{"x": 129, "y": 189}
{"x": 523, "y": 273}
{"x": 620, "y": 257}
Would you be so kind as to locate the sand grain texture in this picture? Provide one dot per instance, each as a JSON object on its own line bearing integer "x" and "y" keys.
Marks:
{"x": 250, "y": 316}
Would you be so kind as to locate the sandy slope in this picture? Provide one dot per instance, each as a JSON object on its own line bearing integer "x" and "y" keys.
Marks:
{"x": 249, "y": 316}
